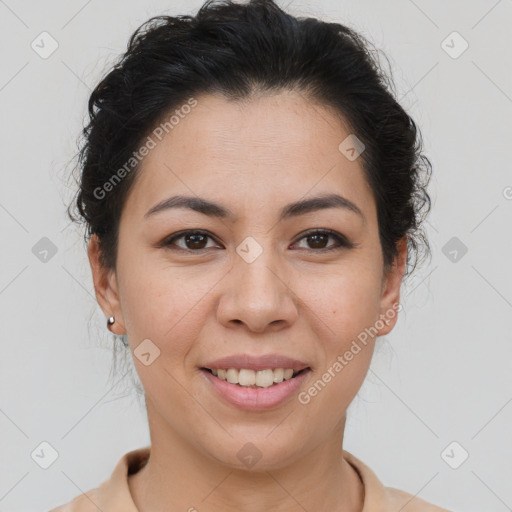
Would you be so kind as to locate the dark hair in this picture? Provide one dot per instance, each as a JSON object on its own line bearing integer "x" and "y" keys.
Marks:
{"x": 239, "y": 50}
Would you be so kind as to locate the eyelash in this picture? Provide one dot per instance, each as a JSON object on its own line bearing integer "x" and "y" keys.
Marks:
{"x": 341, "y": 240}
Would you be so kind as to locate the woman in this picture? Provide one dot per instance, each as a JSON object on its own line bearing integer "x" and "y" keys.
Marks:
{"x": 253, "y": 196}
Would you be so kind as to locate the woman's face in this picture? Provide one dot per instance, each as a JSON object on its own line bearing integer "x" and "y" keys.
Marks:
{"x": 253, "y": 283}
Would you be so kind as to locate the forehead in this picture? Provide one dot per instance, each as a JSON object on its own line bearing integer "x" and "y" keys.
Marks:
{"x": 267, "y": 150}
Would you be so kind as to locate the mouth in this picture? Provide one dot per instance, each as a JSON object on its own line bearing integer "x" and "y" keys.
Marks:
{"x": 255, "y": 379}
{"x": 255, "y": 390}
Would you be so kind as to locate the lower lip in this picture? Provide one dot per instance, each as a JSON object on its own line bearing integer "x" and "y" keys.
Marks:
{"x": 256, "y": 399}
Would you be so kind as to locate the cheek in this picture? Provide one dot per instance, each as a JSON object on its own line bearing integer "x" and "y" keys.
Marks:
{"x": 346, "y": 304}
{"x": 348, "y": 310}
{"x": 165, "y": 305}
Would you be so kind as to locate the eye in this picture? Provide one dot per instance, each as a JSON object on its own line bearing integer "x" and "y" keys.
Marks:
{"x": 197, "y": 240}
{"x": 318, "y": 238}
{"x": 194, "y": 240}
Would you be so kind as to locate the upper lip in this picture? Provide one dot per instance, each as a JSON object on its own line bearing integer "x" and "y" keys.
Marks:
{"x": 261, "y": 362}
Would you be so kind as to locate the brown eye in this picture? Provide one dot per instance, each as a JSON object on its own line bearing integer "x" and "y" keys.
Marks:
{"x": 192, "y": 241}
{"x": 317, "y": 240}
{"x": 197, "y": 241}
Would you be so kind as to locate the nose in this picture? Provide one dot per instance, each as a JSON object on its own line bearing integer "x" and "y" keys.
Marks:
{"x": 257, "y": 296}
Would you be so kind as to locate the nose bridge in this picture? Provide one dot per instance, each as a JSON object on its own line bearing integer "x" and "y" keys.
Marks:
{"x": 257, "y": 294}
{"x": 256, "y": 283}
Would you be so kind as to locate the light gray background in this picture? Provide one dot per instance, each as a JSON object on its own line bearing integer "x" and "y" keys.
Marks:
{"x": 442, "y": 375}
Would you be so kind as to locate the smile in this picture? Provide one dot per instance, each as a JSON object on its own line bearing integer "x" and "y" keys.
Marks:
{"x": 245, "y": 377}
{"x": 255, "y": 390}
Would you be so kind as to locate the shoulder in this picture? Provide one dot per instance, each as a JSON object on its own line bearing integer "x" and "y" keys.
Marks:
{"x": 406, "y": 502}
{"x": 113, "y": 493}
{"x": 82, "y": 503}
{"x": 379, "y": 498}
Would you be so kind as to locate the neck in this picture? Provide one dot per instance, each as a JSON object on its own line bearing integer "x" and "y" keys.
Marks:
{"x": 179, "y": 477}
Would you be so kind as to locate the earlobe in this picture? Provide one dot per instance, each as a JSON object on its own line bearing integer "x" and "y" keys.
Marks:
{"x": 390, "y": 297}
{"x": 105, "y": 286}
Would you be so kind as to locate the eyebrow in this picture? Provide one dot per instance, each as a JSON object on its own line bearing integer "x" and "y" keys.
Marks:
{"x": 212, "y": 209}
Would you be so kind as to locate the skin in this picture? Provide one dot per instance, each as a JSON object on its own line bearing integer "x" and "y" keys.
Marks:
{"x": 294, "y": 299}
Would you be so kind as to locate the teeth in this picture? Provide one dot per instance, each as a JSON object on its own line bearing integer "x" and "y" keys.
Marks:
{"x": 265, "y": 378}
{"x": 246, "y": 378}
{"x": 278, "y": 375}
{"x": 251, "y": 378}
{"x": 232, "y": 376}
{"x": 287, "y": 374}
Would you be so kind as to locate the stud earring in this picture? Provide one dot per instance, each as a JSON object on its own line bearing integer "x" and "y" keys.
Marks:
{"x": 110, "y": 322}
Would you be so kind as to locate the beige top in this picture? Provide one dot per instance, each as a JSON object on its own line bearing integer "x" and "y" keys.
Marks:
{"x": 113, "y": 495}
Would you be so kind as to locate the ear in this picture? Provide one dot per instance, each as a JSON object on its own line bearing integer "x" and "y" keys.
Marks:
{"x": 105, "y": 286}
{"x": 390, "y": 292}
